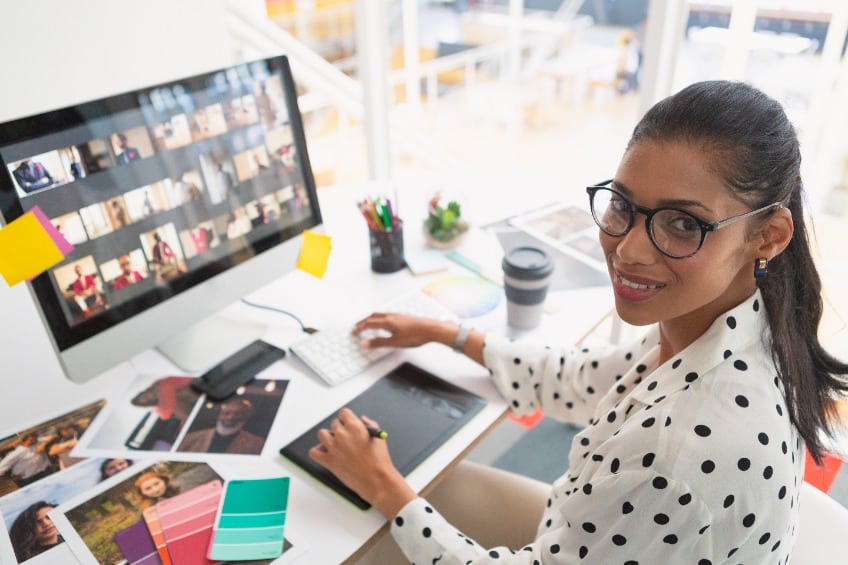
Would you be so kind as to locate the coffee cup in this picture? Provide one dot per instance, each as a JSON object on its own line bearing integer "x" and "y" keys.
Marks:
{"x": 527, "y": 276}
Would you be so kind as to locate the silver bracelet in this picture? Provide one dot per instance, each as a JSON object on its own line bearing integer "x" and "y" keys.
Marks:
{"x": 461, "y": 338}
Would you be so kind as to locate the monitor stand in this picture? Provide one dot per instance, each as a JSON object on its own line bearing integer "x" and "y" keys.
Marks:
{"x": 208, "y": 342}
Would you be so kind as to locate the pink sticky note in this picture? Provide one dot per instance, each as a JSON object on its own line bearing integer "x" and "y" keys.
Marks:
{"x": 64, "y": 246}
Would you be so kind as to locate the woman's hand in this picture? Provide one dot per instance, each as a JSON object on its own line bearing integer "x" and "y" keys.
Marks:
{"x": 403, "y": 330}
{"x": 362, "y": 463}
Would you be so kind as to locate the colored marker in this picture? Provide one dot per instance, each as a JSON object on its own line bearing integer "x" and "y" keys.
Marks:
{"x": 377, "y": 432}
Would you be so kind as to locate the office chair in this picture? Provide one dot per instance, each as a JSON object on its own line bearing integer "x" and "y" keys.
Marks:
{"x": 823, "y": 529}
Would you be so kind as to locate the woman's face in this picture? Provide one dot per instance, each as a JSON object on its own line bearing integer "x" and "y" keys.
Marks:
{"x": 114, "y": 466}
{"x": 685, "y": 295}
{"x": 45, "y": 531}
{"x": 154, "y": 487}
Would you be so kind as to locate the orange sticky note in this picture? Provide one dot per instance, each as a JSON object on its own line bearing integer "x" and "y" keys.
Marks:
{"x": 314, "y": 253}
{"x": 26, "y": 249}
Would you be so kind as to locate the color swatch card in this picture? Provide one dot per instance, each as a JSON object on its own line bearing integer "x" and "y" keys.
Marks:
{"x": 154, "y": 527}
{"x": 251, "y": 519}
{"x": 187, "y": 521}
{"x": 137, "y": 545}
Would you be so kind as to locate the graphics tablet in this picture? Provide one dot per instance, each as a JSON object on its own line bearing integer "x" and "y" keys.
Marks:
{"x": 419, "y": 410}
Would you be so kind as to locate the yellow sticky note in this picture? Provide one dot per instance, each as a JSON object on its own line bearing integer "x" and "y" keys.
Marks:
{"x": 26, "y": 250}
{"x": 314, "y": 253}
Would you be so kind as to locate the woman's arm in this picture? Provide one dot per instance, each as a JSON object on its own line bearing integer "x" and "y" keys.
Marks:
{"x": 412, "y": 331}
{"x": 362, "y": 463}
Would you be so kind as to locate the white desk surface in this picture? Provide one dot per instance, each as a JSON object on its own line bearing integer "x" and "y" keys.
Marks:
{"x": 36, "y": 390}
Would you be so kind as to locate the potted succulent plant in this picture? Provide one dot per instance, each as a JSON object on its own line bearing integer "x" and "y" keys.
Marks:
{"x": 444, "y": 226}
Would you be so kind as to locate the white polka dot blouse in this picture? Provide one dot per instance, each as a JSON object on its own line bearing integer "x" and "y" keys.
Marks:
{"x": 694, "y": 461}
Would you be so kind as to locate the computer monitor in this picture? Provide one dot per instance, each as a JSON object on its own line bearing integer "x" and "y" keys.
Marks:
{"x": 179, "y": 199}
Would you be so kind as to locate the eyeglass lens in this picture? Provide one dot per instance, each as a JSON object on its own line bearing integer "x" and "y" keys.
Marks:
{"x": 674, "y": 232}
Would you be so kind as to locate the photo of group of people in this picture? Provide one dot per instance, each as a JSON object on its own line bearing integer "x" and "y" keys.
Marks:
{"x": 64, "y": 165}
{"x": 42, "y": 450}
{"x": 37, "y": 472}
{"x": 166, "y": 414}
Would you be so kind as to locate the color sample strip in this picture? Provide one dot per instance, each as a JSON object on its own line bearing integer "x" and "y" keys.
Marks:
{"x": 137, "y": 545}
{"x": 187, "y": 521}
{"x": 151, "y": 518}
{"x": 27, "y": 249}
{"x": 251, "y": 520}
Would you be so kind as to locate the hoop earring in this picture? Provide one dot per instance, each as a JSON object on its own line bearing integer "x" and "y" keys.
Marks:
{"x": 760, "y": 268}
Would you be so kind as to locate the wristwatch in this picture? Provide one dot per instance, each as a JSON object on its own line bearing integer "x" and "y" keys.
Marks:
{"x": 461, "y": 338}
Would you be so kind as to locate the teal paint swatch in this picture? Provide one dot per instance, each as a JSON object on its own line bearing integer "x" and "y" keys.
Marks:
{"x": 250, "y": 520}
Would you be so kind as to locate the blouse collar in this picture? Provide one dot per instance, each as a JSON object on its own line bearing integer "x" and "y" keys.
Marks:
{"x": 735, "y": 330}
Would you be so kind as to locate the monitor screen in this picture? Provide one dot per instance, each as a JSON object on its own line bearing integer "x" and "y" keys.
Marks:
{"x": 175, "y": 197}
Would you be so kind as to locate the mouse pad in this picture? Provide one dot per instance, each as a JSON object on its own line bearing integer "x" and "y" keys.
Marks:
{"x": 418, "y": 410}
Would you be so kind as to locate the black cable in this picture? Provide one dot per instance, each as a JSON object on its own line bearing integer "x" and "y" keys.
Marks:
{"x": 303, "y": 327}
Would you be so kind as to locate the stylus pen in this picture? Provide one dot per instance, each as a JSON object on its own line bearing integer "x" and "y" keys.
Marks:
{"x": 377, "y": 432}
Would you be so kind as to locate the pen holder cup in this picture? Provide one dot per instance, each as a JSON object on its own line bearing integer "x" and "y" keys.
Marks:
{"x": 387, "y": 250}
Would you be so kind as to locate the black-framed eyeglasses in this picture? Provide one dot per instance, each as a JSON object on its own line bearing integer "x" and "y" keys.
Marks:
{"x": 674, "y": 232}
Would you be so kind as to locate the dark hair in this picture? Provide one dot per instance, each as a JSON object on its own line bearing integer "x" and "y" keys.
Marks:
{"x": 103, "y": 475}
{"x": 754, "y": 148}
{"x": 22, "y": 532}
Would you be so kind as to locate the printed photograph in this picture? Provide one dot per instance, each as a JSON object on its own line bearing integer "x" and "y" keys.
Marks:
{"x": 239, "y": 424}
{"x": 104, "y": 512}
{"x": 28, "y": 530}
{"x": 148, "y": 417}
{"x": 39, "y": 451}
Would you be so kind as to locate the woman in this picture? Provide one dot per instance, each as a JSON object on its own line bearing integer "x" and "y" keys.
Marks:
{"x": 33, "y": 531}
{"x": 153, "y": 487}
{"x": 113, "y": 466}
{"x": 694, "y": 438}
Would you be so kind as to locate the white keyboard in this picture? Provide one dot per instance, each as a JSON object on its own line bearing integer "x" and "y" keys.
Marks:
{"x": 335, "y": 354}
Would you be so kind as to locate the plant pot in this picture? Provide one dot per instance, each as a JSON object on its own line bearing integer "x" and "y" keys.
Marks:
{"x": 444, "y": 243}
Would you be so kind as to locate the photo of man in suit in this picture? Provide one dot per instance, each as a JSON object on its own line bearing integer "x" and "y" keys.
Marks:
{"x": 228, "y": 435}
{"x": 127, "y": 154}
{"x": 32, "y": 175}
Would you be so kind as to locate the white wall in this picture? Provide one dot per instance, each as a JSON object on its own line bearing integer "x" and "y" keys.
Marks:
{"x": 55, "y": 53}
